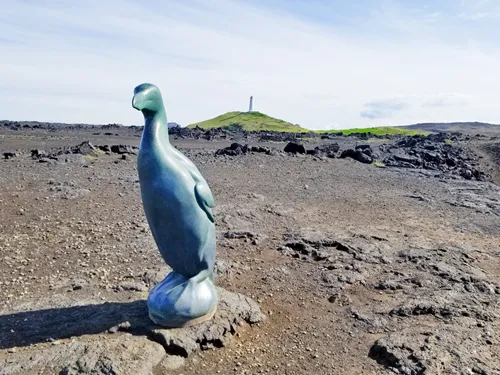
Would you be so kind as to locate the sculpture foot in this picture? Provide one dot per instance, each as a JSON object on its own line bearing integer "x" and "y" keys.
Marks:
{"x": 178, "y": 301}
{"x": 202, "y": 319}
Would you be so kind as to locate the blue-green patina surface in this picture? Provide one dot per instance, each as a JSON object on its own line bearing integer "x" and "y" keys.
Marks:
{"x": 178, "y": 205}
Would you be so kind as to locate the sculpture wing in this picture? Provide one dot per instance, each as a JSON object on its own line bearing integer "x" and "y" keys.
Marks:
{"x": 205, "y": 199}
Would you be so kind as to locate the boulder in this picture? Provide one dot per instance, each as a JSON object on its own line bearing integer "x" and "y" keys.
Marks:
{"x": 328, "y": 149}
{"x": 10, "y": 155}
{"x": 295, "y": 148}
{"x": 233, "y": 150}
{"x": 241, "y": 149}
{"x": 38, "y": 154}
{"x": 84, "y": 148}
{"x": 238, "y": 149}
{"x": 261, "y": 149}
{"x": 124, "y": 149}
{"x": 356, "y": 155}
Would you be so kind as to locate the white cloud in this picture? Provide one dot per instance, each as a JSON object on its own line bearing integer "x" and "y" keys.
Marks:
{"x": 383, "y": 108}
{"x": 80, "y": 61}
{"x": 445, "y": 100}
{"x": 387, "y": 108}
{"x": 474, "y": 10}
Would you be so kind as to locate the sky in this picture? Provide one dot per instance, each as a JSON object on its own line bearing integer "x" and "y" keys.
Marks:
{"x": 321, "y": 64}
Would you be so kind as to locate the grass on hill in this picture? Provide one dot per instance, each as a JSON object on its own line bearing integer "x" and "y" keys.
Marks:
{"x": 249, "y": 121}
{"x": 255, "y": 121}
{"x": 382, "y": 130}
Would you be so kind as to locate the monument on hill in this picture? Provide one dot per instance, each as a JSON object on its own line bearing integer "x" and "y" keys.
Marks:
{"x": 250, "y": 107}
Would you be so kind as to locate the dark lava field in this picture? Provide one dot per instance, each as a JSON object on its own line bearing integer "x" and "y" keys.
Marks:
{"x": 350, "y": 255}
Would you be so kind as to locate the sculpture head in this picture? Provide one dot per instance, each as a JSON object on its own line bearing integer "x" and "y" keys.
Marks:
{"x": 147, "y": 99}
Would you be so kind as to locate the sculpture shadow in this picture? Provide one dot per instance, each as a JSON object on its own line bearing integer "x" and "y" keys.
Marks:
{"x": 31, "y": 327}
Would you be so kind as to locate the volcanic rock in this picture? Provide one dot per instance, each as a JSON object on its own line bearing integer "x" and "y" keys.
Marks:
{"x": 10, "y": 155}
{"x": 260, "y": 149}
{"x": 124, "y": 149}
{"x": 239, "y": 149}
{"x": 295, "y": 148}
{"x": 38, "y": 154}
{"x": 362, "y": 147}
{"x": 356, "y": 155}
{"x": 84, "y": 148}
{"x": 433, "y": 152}
{"x": 233, "y": 150}
{"x": 328, "y": 149}
{"x": 82, "y": 343}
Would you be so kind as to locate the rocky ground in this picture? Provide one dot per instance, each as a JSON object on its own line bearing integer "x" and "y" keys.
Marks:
{"x": 331, "y": 265}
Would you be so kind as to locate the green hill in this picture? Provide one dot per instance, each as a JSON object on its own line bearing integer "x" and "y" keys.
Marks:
{"x": 249, "y": 121}
{"x": 255, "y": 121}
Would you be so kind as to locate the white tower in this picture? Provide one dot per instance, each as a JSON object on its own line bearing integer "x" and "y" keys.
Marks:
{"x": 250, "y": 107}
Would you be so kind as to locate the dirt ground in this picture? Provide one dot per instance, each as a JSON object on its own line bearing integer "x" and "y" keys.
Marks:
{"x": 359, "y": 269}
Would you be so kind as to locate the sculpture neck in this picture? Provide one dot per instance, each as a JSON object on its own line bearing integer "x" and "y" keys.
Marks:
{"x": 156, "y": 127}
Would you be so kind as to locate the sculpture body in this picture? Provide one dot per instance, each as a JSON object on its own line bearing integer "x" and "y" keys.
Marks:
{"x": 177, "y": 203}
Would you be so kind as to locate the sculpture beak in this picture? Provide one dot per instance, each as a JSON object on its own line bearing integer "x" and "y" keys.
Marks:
{"x": 135, "y": 103}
